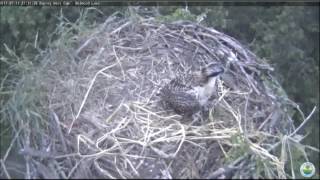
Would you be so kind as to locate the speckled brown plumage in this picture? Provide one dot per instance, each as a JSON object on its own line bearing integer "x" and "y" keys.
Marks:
{"x": 186, "y": 94}
{"x": 180, "y": 97}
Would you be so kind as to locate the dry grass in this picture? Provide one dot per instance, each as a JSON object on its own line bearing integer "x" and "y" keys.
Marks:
{"x": 100, "y": 115}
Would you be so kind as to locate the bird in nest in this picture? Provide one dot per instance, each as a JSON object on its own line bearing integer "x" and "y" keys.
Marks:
{"x": 186, "y": 95}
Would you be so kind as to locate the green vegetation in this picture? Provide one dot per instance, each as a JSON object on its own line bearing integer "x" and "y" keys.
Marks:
{"x": 178, "y": 14}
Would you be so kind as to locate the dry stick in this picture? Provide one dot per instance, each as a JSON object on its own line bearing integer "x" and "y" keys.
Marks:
{"x": 2, "y": 82}
{"x": 119, "y": 28}
{"x": 297, "y": 107}
{"x": 60, "y": 170}
{"x": 115, "y": 164}
{"x": 194, "y": 54}
{"x": 245, "y": 117}
{"x": 236, "y": 115}
{"x": 235, "y": 45}
{"x": 222, "y": 149}
{"x": 109, "y": 20}
{"x": 28, "y": 176}
{"x": 118, "y": 144}
{"x": 55, "y": 117}
{"x": 119, "y": 127}
{"x": 209, "y": 137}
{"x": 165, "y": 41}
{"x": 84, "y": 139}
{"x": 304, "y": 122}
{"x": 5, "y": 169}
{"x": 74, "y": 168}
{"x": 129, "y": 48}
{"x": 110, "y": 76}
{"x": 249, "y": 80}
{"x": 118, "y": 60}
{"x": 264, "y": 154}
{"x": 172, "y": 49}
{"x": 62, "y": 139}
{"x": 36, "y": 153}
{"x": 306, "y": 146}
{"x": 102, "y": 170}
{"x": 152, "y": 71}
{"x": 231, "y": 165}
{"x": 146, "y": 138}
{"x": 292, "y": 134}
{"x": 65, "y": 155}
{"x": 291, "y": 161}
{"x": 162, "y": 154}
{"x": 11, "y": 144}
{"x": 254, "y": 147}
{"x": 87, "y": 94}
{"x": 283, "y": 152}
{"x": 132, "y": 167}
{"x": 161, "y": 130}
{"x": 166, "y": 139}
{"x": 84, "y": 45}
{"x": 195, "y": 144}
{"x": 182, "y": 140}
{"x": 142, "y": 108}
{"x": 154, "y": 91}
{"x": 204, "y": 47}
{"x": 265, "y": 121}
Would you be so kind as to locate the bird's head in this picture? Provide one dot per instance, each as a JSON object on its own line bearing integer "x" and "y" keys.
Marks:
{"x": 213, "y": 70}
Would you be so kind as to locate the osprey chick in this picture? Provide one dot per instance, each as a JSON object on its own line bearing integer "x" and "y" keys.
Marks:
{"x": 186, "y": 95}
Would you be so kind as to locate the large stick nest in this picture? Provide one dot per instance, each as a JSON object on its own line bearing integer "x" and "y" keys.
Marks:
{"x": 105, "y": 120}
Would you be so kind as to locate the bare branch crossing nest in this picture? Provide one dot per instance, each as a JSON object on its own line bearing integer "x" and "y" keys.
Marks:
{"x": 104, "y": 117}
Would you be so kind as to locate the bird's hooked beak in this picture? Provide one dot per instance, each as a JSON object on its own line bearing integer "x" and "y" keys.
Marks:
{"x": 213, "y": 70}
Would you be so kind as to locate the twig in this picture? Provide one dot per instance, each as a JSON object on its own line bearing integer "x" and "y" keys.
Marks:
{"x": 118, "y": 60}
{"x": 5, "y": 169}
{"x": 304, "y": 122}
{"x": 84, "y": 45}
{"x": 87, "y": 94}
{"x": 11, "y": 144}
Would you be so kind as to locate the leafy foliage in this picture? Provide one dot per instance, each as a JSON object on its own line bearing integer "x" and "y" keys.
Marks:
{"x": 178, "y": 14}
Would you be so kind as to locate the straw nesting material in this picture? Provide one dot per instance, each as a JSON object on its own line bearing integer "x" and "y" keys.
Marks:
{"x": 106, "y": 120}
